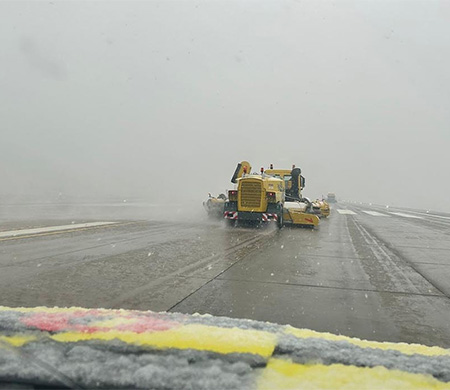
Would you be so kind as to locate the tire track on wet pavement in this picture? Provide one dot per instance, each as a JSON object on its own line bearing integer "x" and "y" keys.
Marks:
{"x": 191, "y": 268}
{"x": 396, "y": 267}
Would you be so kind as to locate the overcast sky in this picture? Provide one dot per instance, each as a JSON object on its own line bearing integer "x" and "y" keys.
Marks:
{"x": 161, "y": 99}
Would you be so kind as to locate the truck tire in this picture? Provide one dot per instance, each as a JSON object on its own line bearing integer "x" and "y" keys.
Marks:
{"x": 280, "y": 218}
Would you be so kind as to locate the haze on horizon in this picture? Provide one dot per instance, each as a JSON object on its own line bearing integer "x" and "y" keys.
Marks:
{"x": 160, "y": 99}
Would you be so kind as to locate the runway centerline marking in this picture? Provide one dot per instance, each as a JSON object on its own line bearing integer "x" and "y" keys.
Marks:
{"x": 407, "y": 215}
{"x": 375, "y": 213}
{"x": 345, "y": 211}
{"x": 48, "y": 229}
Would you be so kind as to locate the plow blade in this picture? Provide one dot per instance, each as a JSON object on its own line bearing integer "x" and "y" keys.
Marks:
{"x": 296, "y": 216}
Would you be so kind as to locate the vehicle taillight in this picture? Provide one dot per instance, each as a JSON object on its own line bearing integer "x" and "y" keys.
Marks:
{"x": 271, "y": 197}
{"x": 232, "y": 195}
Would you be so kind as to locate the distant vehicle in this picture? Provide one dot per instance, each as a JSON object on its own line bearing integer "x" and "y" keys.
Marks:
{"x": 331, "y": 197}
{"x": 321, "y": 208}
{"x": 215, "y": 206}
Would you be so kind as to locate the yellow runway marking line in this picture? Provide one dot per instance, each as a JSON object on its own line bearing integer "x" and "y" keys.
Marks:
{"x": 16, "y": 341}
{"x": 191, "y": 336}
{"x": 407, "y": 349}
{"x": 284, "y": 374}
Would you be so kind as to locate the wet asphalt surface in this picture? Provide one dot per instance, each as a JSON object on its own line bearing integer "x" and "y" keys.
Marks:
{"x": 365, "y": 272}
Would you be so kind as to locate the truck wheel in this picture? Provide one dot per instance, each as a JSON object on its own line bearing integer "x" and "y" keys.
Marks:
{"x": 280, "y": 218}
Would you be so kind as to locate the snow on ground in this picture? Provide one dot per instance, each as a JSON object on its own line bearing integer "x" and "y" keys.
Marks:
{"x": 131, "y": 349}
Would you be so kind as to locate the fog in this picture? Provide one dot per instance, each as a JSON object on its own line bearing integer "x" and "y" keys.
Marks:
{"x": 159, "y": 100}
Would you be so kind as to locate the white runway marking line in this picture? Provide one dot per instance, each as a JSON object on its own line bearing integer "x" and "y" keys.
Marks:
{"x": 431, "y": 215}
{"x": 48, "y": 229}
{"x": 375, "y": 213}
{"x": 344, "y": 211}
{"x": 407, "y": 215}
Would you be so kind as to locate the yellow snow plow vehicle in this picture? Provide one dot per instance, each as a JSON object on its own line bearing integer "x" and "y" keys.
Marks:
{"x": 297, "y": 209}
{"x": 321, "y": 208}
{"x": 270, "y": 196}
{"x": 257, "y": 198}
{"x": 214, "y": 206}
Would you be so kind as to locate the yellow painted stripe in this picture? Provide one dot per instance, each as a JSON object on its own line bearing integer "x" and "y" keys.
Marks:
{"x": 192, "y": 336}
{"x": 16, "y": 341}
{"x": 283, "y": 374}
{"x": 407, "y": 349}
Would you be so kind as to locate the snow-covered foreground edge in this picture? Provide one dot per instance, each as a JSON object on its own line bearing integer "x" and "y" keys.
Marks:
{"x": 98, "y": 348}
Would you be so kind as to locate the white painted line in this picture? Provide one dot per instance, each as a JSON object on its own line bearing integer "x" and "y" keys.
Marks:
{"x": 407, "y": 215}
{"x": 375, "y": 213}
{"x": 344, "y": 211}
{"x": 48, "y": 229}
{"x": 430, "y": 215}
{"x": 434, "y": 216}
